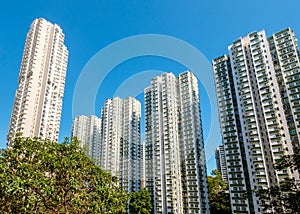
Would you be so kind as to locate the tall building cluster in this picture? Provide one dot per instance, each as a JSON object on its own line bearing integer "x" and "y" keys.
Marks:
{"x": 171, "y": 162}
{"x": 257, "y": 87}
{"x": 114, "y": 140}
{"x": 258, "y": 93}
{"x": 37, "y": 106}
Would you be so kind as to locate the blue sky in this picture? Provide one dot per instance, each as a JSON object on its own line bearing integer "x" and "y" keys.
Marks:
{"x": 89, "y": 26}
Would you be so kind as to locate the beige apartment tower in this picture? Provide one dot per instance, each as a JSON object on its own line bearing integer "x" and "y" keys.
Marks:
{"x": 38, "y": 100}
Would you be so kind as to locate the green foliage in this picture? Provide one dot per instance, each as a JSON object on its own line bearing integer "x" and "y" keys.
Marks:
{"x": 287, "y": 194}
{"x": 140, "y": 202}
{"x": 39, "y": 176}
{"x": 219, "y": 198}
{"x": 289, "y": 161}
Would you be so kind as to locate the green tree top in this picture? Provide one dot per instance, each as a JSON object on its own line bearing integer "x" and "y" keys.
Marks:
{"x": 44, "y": 177}
{"x": 140, "y": 202}
{"x": 219, "y": 199}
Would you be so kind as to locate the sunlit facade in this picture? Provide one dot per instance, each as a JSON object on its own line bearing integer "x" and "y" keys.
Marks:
{"x": 38, "y": 100}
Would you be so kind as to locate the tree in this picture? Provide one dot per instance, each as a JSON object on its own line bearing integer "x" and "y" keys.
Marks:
{"x": 140, "y": 202}
{"x": 219, "y": 198}
{"x": 39, "y": 176}
{"x": 283, "y": 198}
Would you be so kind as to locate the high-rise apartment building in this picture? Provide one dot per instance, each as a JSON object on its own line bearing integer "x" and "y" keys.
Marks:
{"x": 120, "y": 141}
{"x": 221, "y": 162}
{"x": 87, "y": 130}
{"x": 38, "y": 100}
{"x": 258, "y": 89}
{"x": 174, "y": 148}
{"x": 111, "y": 134}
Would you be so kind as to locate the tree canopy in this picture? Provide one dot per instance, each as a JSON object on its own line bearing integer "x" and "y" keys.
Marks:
{"x": 140, "y": 202}
{"x": 41, "y": 176}
{"x": 219, "y": 198}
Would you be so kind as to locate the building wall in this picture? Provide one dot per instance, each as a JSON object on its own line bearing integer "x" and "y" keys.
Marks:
{"x": 143, "y": 166}
{"x": 221, "y": 162}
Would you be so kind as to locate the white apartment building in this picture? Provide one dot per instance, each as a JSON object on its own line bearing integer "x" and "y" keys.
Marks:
{"x": 258, "y": 96}
{"x": 111, "y": 134}
{"x": 174, "y": 148}
{"x": 38, "y": 100}
{"x": 87, "y": 129}
{"x": 121, "y": 141}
